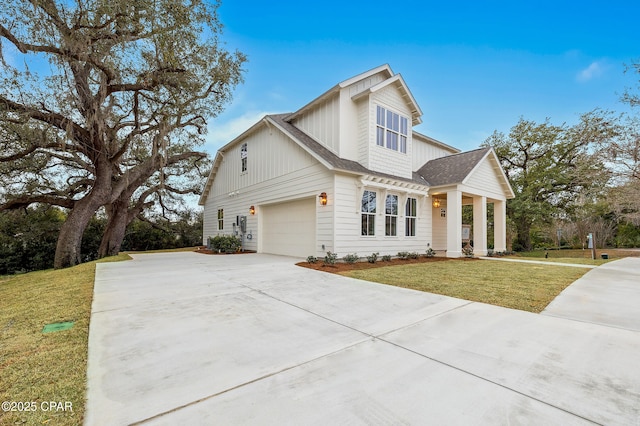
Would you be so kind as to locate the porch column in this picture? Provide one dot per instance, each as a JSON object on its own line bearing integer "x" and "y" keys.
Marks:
{"x": 500, "y": 225}
{"x": 480, "y": 226}
{"x": 454, "y": 224}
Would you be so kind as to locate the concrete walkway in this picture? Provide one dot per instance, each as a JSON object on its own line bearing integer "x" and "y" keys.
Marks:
{"x": 608, "y": 295}
{"x": 539, "y": 262}
{"x": 183, "y": 338}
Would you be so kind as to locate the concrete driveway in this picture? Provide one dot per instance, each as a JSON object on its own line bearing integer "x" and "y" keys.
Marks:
{"x": 184, "y": 338}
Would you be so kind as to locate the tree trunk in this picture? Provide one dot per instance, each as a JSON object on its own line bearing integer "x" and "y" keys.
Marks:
{"x": 523, "y": 226}
{"x": 114, "y": 232}
{"x": 70, "y": 237}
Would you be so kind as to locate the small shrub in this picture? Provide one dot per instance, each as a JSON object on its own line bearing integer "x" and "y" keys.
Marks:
{"x": 372, "y": 258}
{"x": 491, "y": 253}
{"x": 330, "y": 258}
{"x": 312, "y": 259}
{"x": 386, "y": 258}
{"x": 413, "y": 255}
{"x": 467, "y": 251}
{"x": 431, "y": 252}
{"x": 226, "y": 243}
{"x": 403, "y": 255}
{"x": 351, "y": 258}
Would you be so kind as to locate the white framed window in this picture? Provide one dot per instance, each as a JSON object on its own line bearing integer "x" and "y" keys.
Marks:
{"x": 410, "y": 213}
{"x": 243, "y": 157}
{"x": 391, "y": 129}
{"x": 220, "y": 219}
{"x": 368, "y": 225}
{"x": 391, "y": 216}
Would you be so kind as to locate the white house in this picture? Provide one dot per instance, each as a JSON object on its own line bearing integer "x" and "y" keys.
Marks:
{"x": 346, "y": 173}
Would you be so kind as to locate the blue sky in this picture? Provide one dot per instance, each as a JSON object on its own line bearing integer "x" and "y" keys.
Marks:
{"x": 473, "y": 67}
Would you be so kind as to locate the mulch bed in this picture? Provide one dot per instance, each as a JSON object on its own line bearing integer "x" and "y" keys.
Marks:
{"x": 344, "y": 267}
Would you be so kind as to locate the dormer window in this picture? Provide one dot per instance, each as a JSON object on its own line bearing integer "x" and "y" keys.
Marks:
{"x": 391, "y": 130}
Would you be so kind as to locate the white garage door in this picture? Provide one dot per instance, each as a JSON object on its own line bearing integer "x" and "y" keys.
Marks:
{"x": 289, "y": 228}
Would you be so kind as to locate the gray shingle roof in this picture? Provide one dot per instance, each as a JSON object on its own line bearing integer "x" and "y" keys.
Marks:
{"x": 451, "y": 169}
{"x": 331, "y": 158}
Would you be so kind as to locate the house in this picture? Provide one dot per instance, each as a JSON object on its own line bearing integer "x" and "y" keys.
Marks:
{"x": 347, "y": 173}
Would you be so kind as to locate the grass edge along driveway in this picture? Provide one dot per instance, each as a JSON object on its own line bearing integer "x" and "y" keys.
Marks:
{"x": 528, "y": 287}
{"x": 38, "y": 369}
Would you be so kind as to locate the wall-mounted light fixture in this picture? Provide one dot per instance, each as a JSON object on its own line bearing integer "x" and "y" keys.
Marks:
{"x": 252, "y": 210}
{"x": 436, "y": 202}
{"x": 323, "y": 199}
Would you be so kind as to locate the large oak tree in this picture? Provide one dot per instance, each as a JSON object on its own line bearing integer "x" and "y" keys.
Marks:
{"x": 97, "y": 97}
{"x": 553, "y": 168}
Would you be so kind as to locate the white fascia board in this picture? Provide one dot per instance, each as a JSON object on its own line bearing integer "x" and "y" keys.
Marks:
{"x": 335, "y": 89}
{"x": 433, "y": 141}
{"x": 244, "y": 134}
{"x": 326, "y": 95}
{"x": 416, "y": 112}
{"x": 367, "y": 74}
{"x": 220, "y": 156}
{"x": 212, "y": 175}
{"x": 300, "y": 144}
{"x": 492, "y": 156}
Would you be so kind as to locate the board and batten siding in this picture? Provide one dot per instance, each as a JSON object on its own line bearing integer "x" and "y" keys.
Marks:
{"x": 422, "y": 151}
{"x": 380, "y": 158}
{"x": 308, "y": 182}
{"x": 278, "y": 170}
{"x": 270, "y": 153}
{"x": 322, "y": 123}
{"x": 348, "y": 238}
{"x": 365, "y": 83}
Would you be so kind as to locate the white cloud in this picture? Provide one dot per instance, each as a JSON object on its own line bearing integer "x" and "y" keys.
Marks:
{"x": 595, "y": 69}
{"x": 221, "y": 132}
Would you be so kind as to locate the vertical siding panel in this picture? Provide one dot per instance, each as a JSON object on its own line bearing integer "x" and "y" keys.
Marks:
{"x": 423, "y": 152}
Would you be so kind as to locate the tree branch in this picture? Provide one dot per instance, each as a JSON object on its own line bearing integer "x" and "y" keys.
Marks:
{"x": 26, "y": 201}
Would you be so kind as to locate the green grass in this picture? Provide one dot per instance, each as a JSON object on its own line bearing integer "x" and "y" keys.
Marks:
{"x": 37, "y": 367}
{"x": 528, "y": 287}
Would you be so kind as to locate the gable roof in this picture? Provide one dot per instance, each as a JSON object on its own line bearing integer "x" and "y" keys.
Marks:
{"x": 390, "y": 78}
{"x": 310, "y": 145}
{"x": 451, "y": 169}
{"x": 397, "y": 79}
{"x": 455, "y": 169}
{"x": 327, "y": 157}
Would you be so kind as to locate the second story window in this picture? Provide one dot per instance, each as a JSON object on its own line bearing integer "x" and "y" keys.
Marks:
{"x": 391, "y": 130}
{"x": 243, "y": 157}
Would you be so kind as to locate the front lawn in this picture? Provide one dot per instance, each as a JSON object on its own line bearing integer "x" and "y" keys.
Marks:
{"x": 528, "y": 287}
{"x": 39, "y": 368}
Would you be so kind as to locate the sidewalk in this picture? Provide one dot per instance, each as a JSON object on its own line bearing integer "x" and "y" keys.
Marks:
{"x": 539, "y": 262}
{"x": 608, "y": 295}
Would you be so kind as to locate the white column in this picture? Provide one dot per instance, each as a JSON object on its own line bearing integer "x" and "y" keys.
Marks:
{"x": 480, "y": 226}
{"x": 454, "y": 224}
{"x": 500, "y": 225}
